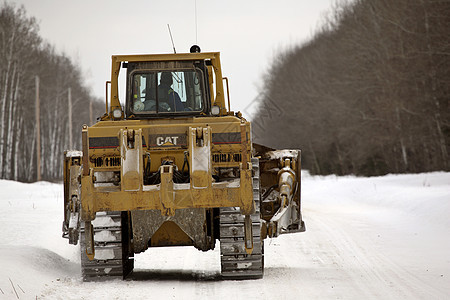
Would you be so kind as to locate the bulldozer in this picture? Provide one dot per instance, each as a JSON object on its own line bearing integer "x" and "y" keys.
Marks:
{"x": 174, "y": 166}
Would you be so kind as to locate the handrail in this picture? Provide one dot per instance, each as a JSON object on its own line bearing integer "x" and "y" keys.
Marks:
{"x": 228, "y": 93}
{"x": 106, "y": 95}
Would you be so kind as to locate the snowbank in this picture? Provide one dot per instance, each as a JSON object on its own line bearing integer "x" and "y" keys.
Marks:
{"x": 378, "y": 237}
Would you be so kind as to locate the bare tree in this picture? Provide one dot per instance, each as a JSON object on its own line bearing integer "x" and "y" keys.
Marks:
{"x": 369, "y": 93}
{"x": 23, "y": 56}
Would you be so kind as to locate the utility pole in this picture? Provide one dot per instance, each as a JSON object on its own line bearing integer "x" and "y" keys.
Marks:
{"x": 69, "y": 92}
{"x": 38, "y": 131}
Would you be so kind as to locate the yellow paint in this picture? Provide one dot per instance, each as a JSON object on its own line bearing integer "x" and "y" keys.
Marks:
{"x": 113, "y": 199}
{"x": 166, "y": 192}
{"x": 214, "y": 57}
{"x": 167, "y": 196}
{"x": 170, "y": 234}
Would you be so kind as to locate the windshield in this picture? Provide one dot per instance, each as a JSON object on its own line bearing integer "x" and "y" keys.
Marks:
{"x": 167, "y": 92}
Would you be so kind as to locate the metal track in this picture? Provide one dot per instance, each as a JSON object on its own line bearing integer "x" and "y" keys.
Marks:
{"x": 112, "y": 259}
{"x": 235, "y": 262}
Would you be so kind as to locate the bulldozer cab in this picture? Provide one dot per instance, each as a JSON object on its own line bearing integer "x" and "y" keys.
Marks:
{"x": 168, "y": 86}
{"x": 167, "y": 89}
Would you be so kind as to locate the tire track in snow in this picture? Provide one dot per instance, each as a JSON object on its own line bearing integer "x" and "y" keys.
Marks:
{"x": 372, "y": 273}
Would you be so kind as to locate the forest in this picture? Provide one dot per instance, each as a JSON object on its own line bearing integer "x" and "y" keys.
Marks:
{"x": 31, "y": 69}
{"x": 368, "y": 94}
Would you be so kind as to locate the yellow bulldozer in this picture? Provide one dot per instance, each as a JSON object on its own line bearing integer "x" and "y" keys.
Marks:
{"x": 175, "y": 166}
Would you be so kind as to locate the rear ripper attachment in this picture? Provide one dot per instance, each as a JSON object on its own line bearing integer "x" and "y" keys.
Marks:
{"x": 175, "y": 166}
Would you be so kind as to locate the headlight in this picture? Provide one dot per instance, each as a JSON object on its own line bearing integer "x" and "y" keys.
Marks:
{"x": 215, "y": 110}
{"x": 117, "y": 113}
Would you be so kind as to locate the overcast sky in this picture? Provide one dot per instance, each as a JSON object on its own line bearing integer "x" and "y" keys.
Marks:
{"x": 247, "y": 33}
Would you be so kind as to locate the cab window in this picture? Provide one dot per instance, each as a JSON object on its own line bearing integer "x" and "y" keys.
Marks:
{"x": 167, "y": 92}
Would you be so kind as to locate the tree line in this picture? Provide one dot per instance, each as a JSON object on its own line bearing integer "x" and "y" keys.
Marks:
{"x": 31, "y": 68}
{"x": 368, "y": 94}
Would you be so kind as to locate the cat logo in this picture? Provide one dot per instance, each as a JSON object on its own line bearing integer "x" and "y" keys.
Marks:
{"x": 166, "y": 141}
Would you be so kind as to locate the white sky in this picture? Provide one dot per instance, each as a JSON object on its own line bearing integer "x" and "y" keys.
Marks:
{"x": 247, "y": 33}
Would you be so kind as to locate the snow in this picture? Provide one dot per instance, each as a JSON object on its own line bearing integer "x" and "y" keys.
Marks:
{"x": 74, "y": 153}
{"x": 104, "y": 254}
{"x": 367, "y": 238}
{"x": 104, "y": 236}
{"x": 277, "y": 154}
{"x": 104, "y": 221}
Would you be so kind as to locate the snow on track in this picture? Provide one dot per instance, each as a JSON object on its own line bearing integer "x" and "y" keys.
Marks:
{"x": 367, "y": 238}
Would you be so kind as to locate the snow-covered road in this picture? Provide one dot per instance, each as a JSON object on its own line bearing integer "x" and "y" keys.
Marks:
{"x": 367, "y": 238}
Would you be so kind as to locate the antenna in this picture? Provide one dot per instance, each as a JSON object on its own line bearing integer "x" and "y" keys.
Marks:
{"x": 196, "y": 39}
{"x": 173, "y": 45}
